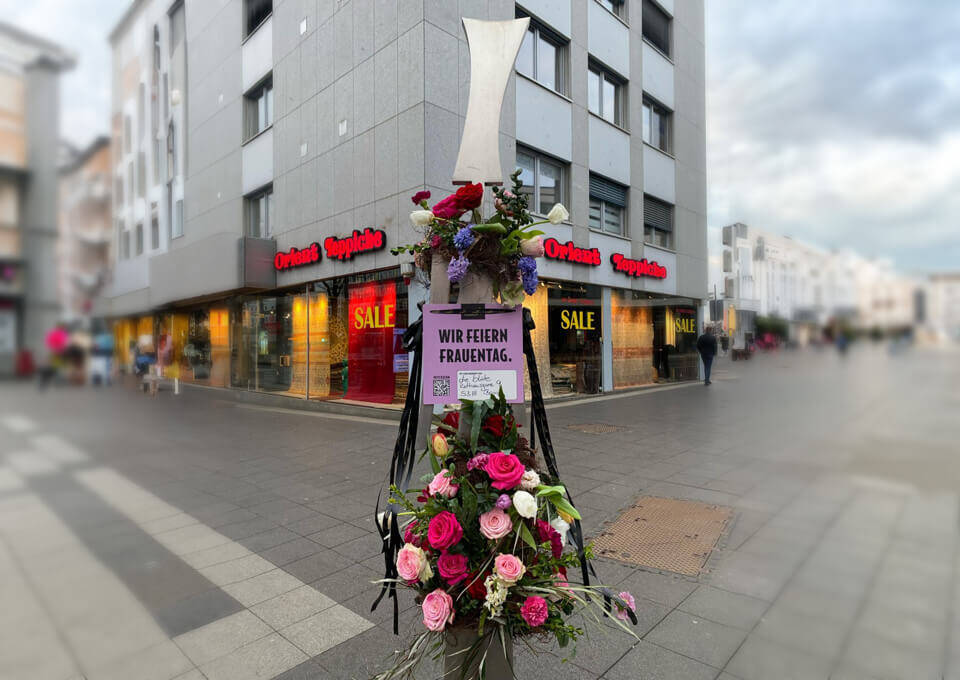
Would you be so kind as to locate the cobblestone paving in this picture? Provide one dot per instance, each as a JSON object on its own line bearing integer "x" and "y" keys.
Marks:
{"x": 192, "y": 537}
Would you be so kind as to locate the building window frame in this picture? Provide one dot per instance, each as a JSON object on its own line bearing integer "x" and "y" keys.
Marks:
{"x": 659, "y": 221}
{"x": 607, "y": 84}
{"x": 258, "y": 109}
{"x": 259, "y": 216}
{"x": 607, "y": 206}
{"x": 536, "y": 41}
{"x": 653, "y": 111}
{"x": 154, "y": 230}
{"x": 535, "y": 192}
{"x": 139, "y": 238}
{"x": 176, "y": 220}
{"x": 651, "y": 14}
{"x": 617, "y": 8}
{"x": 255, "y": 14}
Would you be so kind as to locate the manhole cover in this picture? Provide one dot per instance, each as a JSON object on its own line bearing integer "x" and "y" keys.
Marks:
{"x": 664, "y": 533}
{"x": 596, "y": 428}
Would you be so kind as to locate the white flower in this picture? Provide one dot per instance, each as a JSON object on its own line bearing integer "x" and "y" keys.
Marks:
{"x": 496, "y": 595}
{"x": 421, "y": 218}
{"x": 525, "y": 504}
{"x": 530, "y": 480}
{"x": 557, "y": 214}
{"x": 561, "y": 527}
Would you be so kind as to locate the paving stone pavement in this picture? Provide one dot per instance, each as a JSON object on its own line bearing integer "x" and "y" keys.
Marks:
{"x": 193, "y": 537}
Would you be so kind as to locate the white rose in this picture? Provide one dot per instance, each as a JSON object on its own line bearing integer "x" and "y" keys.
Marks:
{"x": 530, "y": 480}
{"x": 561, "y": 527}
{"x": 557, "y": 214}
{"x": 525, "y": 504}
{"x": 421, "y": 218}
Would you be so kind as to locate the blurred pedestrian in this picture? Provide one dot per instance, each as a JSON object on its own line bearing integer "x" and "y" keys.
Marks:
{"x": 707, "y": 346}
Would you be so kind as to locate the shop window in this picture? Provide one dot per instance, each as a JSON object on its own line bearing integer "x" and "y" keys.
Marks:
{"x": 606, "y": 95}
{"x": 574, "y": 320}
{"x": 259, "y": 213}
{"x": 656, "y": 27}
{"x": 258, "y": 109}
{"x": 657, "y": 125}
{"x": 608, "y": 205}
{"x": 544, "y": 180}
{"x": 632, "y": 341}
{"x": 542, "y": 57}
{"x": 657, "y": 222}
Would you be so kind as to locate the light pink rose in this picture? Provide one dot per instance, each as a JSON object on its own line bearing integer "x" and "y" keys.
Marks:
{"x": 509, "y": 568}
{"x": 532, "y": 247}
{"x": 442, "y": 484}
{"x": 437, "y": 610}
{"x": 495, "y": 524}
{"x": 412, "y": 564}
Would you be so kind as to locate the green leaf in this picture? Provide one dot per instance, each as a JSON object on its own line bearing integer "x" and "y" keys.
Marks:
{"x": 490, "y": 228}
{"x": 544, "y": 490}
{"x": 527, "y": 536}
{"x": 531, "y": 233}
{"x": 434, "y": 463}
{"x": 564, "y": 505}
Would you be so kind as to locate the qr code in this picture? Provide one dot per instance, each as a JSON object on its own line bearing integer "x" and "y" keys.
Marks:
{"x": 441, "y": 386}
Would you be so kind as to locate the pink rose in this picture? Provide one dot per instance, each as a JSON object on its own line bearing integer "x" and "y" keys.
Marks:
{"x": 534, "y": 611}
{"x": 505, "y": 469}
{"x": 442, "y": 484}
{"x": 452, "y": 567}
{"x": 532, "y": 247}
{"x": 412, "y": 564}
{"x": 495, "y": 524}
{"x": 448, "y": 208}
{"x": 509, "y": 568}
{"x": 631, "y": 603}
{"x": 444, "y": 530}
{"x": 437, "y": 610}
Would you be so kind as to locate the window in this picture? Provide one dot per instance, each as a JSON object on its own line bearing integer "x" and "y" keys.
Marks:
{"x": 118, "y": 191}
{"x": 166, "y": 97}
{"x": 141, "y": 111}
{"x": 171, "y": 151}
{"x": 178, "y": 27}
{"x": 154, "y": 231}
{"x": 605, "y": 95}
{"x": 543, "y": 180}
{"x": 260, "y": 214}
{"x": 124, "y": 243}
{"x": 131, "y": 189}
{"x": 657, "y": 222}
{"x": 140, "y": 238}
{"x": 176, "y": 223}
{"x": 657, "y": 125}
{"x": 256, "y": 13}
{"x": 656, "y": 27}
{"x": 127, "y": 134}
{"x": 156, "y": 161}
{"x": 608, "y": 205}
{"x": 618, "y": 7}
{"x": 542, "y": 57}
{"x": 258, "y": 108}
{"x": 141, "y": 173}
{"x": 155, "y": 83}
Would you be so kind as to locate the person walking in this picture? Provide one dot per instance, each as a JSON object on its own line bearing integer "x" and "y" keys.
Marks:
{"x": 707, "y": 346}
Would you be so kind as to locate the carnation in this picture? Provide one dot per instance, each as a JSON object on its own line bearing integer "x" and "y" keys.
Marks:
{"x": 535, "y": 611}
{"x": 530, "y": 480}
{"x": 478, "y": 461}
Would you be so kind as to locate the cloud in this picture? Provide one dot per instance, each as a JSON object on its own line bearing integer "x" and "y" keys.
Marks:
{"x": 838, "y": 123}
{"x": 80, "y": 26}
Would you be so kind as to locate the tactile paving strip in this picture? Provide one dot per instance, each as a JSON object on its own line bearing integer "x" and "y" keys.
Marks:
{"x": 596, "y": 428}
{"x": 664, "y": 533}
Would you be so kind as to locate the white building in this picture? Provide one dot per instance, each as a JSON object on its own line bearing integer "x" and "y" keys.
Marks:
{"x": 942, "y": 306}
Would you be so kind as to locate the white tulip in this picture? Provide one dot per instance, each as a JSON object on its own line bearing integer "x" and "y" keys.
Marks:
{"x": 525, "y": 504}
{"x": 561, "y": 527}
{"x": 421, "y": 218}
{"x": 557, "y": 214}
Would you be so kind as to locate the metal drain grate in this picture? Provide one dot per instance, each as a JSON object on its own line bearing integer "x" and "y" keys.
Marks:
{"x": 664, "y": 533}
{"x": 596, "y": 428}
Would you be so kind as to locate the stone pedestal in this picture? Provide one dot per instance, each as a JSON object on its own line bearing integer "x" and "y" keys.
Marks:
{"x": 498, "y": 664}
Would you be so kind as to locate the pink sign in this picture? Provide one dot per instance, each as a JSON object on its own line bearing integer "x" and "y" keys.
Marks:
{"x": 472, "y": 358}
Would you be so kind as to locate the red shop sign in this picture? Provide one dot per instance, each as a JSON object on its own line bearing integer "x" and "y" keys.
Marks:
{"x": 355, "y": 244}
{"x": 637, "y": 268}
{"x": 297, "y": 258}
{"x": 554, "y": 250}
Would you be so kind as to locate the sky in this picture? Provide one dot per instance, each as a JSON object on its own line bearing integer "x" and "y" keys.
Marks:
{"x": 837, "y": 123}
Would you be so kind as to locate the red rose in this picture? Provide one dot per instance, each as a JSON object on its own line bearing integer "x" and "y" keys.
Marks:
{"x": 475, "y": 586}
{"x": 545, "y": 532}
{"x": 451, "y": 421}
{"x": 469, "y": 196}
{"x": 420, "y": 196}
{"x": 444, "y": 530}
{"x": 494, "y": 425}
{"x": 435, "y": 241}
{"x": 448, "y": 208}
{"x": 409, "y": 536}
{"x": 452, "y": 567}
{"x": 505, "y": 469}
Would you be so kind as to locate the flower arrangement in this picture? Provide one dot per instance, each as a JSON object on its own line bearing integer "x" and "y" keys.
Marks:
{"x": 502, "y": 247}
{"x": 485, "y": 544}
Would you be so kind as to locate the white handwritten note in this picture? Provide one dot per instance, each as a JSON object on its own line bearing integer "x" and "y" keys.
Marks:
{"x": 482, "y": 384}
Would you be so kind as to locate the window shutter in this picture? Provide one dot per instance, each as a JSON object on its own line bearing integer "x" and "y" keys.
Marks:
{"x": 657, "y": 214}
{"x": 607, "y": 191}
